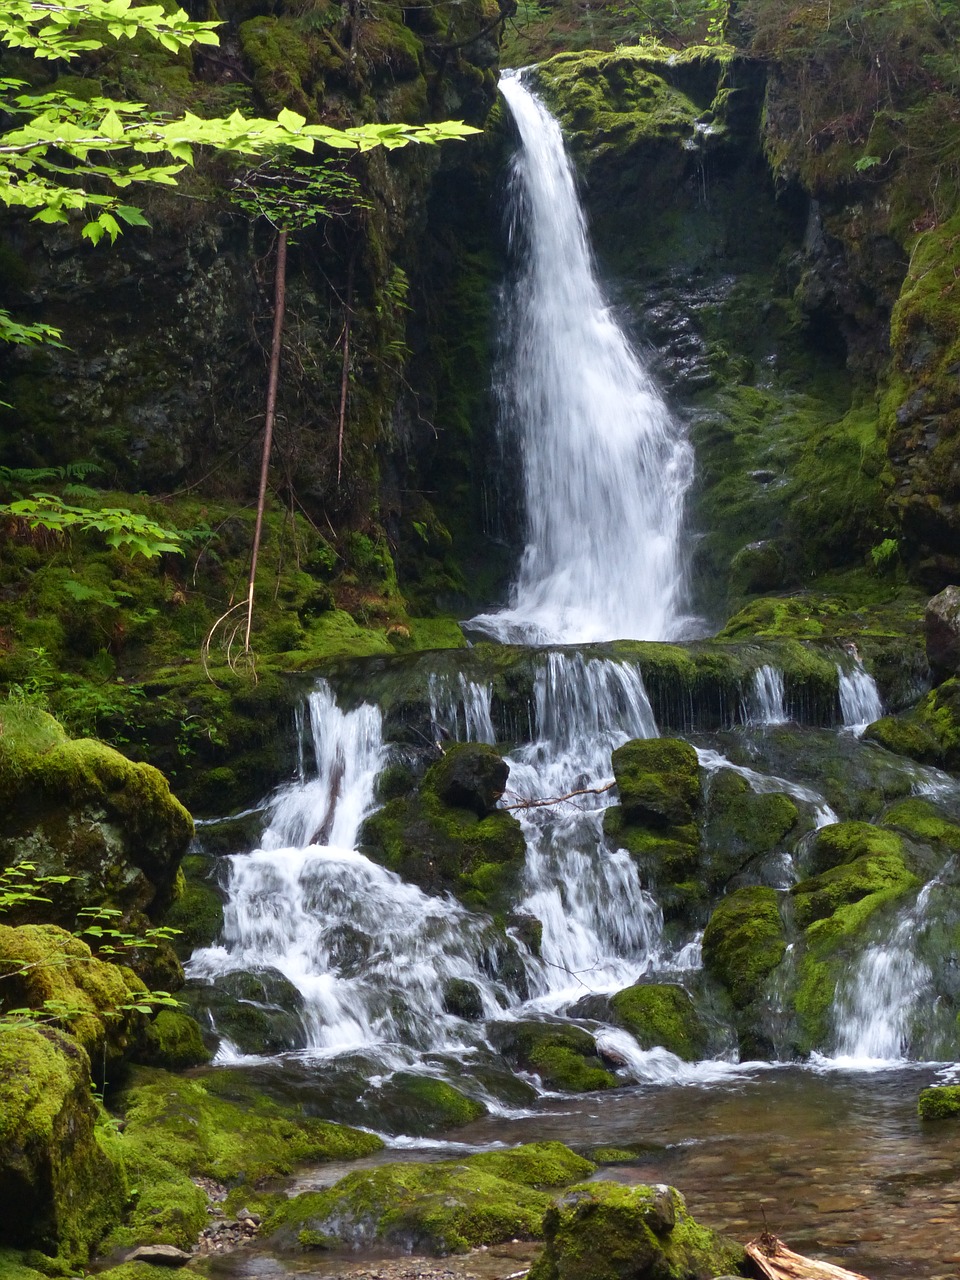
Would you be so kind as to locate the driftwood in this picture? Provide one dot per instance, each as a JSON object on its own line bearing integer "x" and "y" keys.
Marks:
{"x": 777, "y": 1262}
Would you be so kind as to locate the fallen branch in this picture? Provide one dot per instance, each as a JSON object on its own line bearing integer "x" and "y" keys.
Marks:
{"x": 541, "y": 804}
{"x": 777, "y": 1262}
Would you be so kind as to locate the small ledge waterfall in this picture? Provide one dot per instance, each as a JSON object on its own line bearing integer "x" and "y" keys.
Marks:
{"x": 605, "y": 469}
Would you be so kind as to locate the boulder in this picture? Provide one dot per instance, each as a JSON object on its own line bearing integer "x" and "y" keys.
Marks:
{"x": 605, "y": 1231}
{"x": 660, "y": 1013}
{"x": 60, "y": 1189}
{"x": 471, "y": 775}
{"x": 941, "y": 631}
{"x": 744, "y": 942}
{"x": 562, "y": 1055}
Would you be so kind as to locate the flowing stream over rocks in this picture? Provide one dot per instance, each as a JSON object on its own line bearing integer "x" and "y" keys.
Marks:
{"x": 832, "y": 1151}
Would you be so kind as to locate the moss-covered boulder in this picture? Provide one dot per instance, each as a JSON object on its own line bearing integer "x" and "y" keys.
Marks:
{"x": 658, "y": 785}
{"x": 44, "y": 967}
{"x": 438, "y": 1208}
{"x": 415, "y": 1104}
{"x": 562, "y": 1055}
{"x": 197, "y": 910}
{"x": 939, "y": 1101}
{"x": 447, "y": 838}
{"x": 929, "y": 732}
{"x": 258, "y": 1012}
{"x": 79, "y": 808}
{"x": 743, "y": 824}
{"x": 922, "y": 821}
{"x": 177, "y": 1129}
{"x": 834, "y": 909}
{"x": 842, "y": 842}
{"x": 61, "y": 1185}
{"x": 173, "y": 1040}
{"x": 606, "y": 1231}
{"x": 659, "y": 1013}
{"x": 744, "y": 942}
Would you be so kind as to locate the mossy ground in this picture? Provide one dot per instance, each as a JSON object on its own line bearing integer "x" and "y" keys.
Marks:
{"x": 177, "y": 1128}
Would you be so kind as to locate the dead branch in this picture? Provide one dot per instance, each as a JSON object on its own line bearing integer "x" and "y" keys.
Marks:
{"x": 542, "y": 804}
{"x": 777, "y": 1262}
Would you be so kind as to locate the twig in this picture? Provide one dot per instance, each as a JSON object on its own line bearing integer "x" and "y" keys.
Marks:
{"x": 541, "y": 804}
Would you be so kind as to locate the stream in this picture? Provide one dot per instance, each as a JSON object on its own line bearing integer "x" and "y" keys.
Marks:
{"x": 829, "y": 1154}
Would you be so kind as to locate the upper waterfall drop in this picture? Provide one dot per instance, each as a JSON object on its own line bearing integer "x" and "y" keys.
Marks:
{"x": 605, "y": 469}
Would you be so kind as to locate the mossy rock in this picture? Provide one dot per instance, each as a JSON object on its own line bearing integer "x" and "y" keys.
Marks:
{"x": 173, "y": 1040}
{"x": 197, "y": 909}
{"x": 842, "y": 842}
{"x": 438, "y": 1208}
{"x": 258, "y": 1012}
{"x": 177, "y": 1129}
{"x": 418, "y": 1105}
{"x": 661, "y": 1014}
{"x": 879, "y": 876}
{"x": 605, "y": 1231}
{"x": 79, "y": 808}
{"x": 922, "y": 821}
{"x": 44, "y": 966}
{"x": 658, "y": 782}
{"x": 62, "y": 1190}
{"x": 449, "y": 848}
{"x": 742, "y": 824}
{"x": 656, "y": 821}
{"x": 463, "y": 999}
{"x": 563, "y": 1056}
{"x": 939, "y": 1102}
{"x": 744, "y": 942}
{"x": 929, "y": 733}
{"x": 836, "y": 907}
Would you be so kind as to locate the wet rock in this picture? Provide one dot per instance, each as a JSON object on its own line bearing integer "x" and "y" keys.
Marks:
{"x": 462, "y": 999}
{"x": 258, "y": 1012}
{"x": 941, "y": 627}
{"x": 759, "y": 566}
{"x": 563, "y": 1056}
{"x": 415, "y": 1104}
{"x": 744, "y": 942}
{"x": 662, "y": 1014}
{"x": 472, "y": 776}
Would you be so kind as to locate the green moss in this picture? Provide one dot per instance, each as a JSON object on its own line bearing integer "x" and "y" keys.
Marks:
{"x": 880, "y": 876}
{"x": 930, "y": 732}
{"x": 62, "y": 1191}
{"x": 536, "y": 1164}
{"x": 173, "y": 1040}
{"x": 12, "y": 1267}
{"x": 744, "y": 942}
{"x": 436, "y": 633}
{"x": 439, "y": 1208}
{"x": 661, "y": 1014}
{"x": 178, "y": 1128}
{"x": 46, "y": 967}
{"x": 922, "y": 820}
{"x": 443, "y": 847}
{"x": 433, "y": 1104}
{"x": 939, "y": 1102}
{"x": 564, "y": 1057}
{"x": 606, "y": 1231}
{"x": 658, "y": 781}
{"x": 742, "y": 824}
{"x": 842, "y": 842}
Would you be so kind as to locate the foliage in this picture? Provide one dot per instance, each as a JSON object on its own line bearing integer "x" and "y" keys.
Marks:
{"x": 118, "y": 526}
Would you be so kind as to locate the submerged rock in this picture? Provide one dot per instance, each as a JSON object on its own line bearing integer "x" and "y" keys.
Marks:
{"x": 447, "y": 1207}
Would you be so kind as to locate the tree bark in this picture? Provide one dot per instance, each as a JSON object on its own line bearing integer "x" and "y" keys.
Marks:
{"x": 279, "y": 305}
{"x": 777, "y": 1262}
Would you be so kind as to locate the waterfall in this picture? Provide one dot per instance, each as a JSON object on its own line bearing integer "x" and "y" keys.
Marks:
{"x": 369, "y": 954}
{"x": 601, "y": 929}
{"x": 860, "y": 701}
{"x": 767, "y": 703}
{"x": 874, "y": 1006}
{"x": 605, "y": 469}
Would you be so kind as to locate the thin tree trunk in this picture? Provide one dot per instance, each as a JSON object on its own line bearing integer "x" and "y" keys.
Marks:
{"x": 279, "y": 303}
{"x": 345, "y": 369}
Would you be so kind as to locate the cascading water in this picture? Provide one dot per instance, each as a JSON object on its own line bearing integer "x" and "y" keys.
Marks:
{"x": 369, "y": 954}
{"x": 860, "y": 702}
{"x": 605, "y": 470}
{"x": 767, "y": 701}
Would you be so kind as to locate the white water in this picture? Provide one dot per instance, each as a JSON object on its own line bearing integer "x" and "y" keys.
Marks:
{"x": 370, "y": 954}
{"x": 605, "y": 470}
{"x": 767, "y": 702}
{"x": 860, "y": 701}
{"x": 767, "y": 782}
{"x": 875, "y": 1006}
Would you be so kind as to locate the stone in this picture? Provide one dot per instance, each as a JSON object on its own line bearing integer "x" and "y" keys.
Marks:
{"x": 160, "y": 1255}
{"x": 472, "y": 776}
{"x": 941, "y": 628}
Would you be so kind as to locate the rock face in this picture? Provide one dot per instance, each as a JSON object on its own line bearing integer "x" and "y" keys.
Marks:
{"x": 60, "y": 1188}
{"x": 941, "y": 627}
